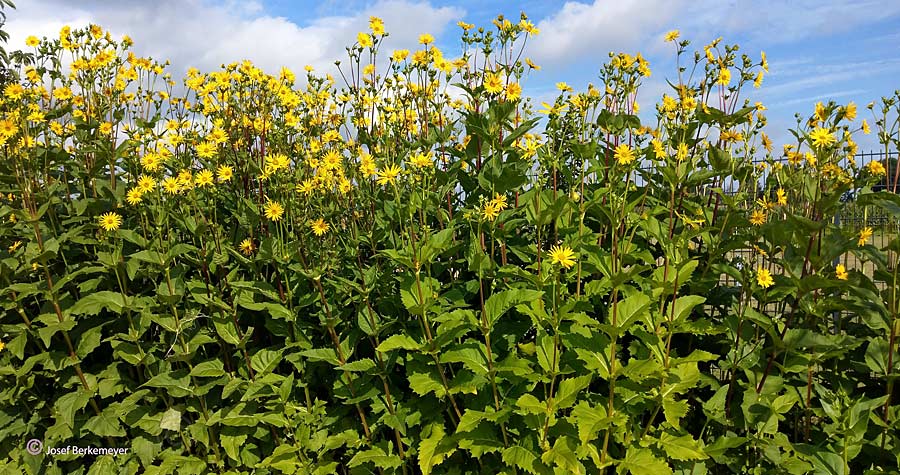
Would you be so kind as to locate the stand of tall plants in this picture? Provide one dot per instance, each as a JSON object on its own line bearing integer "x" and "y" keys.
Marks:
{"x": 409, "y": 269}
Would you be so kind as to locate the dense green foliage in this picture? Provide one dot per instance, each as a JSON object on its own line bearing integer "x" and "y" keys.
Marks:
{"x": 241, "y": 276}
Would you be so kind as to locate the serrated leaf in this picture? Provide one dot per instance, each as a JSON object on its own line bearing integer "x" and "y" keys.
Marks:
{"x": 398, "y": 341}
{"x": 171, "y": 420}
{"x": 681, "y": 447}
{"x": 499, "y": 303}
{"x": 434, "y": 448}
{"x": 640, "y": 461}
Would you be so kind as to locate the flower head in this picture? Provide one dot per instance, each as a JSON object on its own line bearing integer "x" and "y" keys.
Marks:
{"x": 110, "y": 221}
{"x": 840, "y": 272}
{"x": 388, "y": 175}
{"x": 14, "y": 246}
{"x": 204, "y": 178}
{"x": 822, "y": 137}
{"x": 764, "y": 278}
{"x": 624, "y": 154}
{"x": 247, "y": 246}
{"x": 864, "y": 236}
{"x": 672, "y": 35}
{"x": 319, "y": 227}
{"x": 426, "y": 39}
{"x": 876, "y": 168}
{"x": 133, "y": 196}
{"x": 225, "y": 173}
{"x": 273, "y": 210}
{"x": 758, "y": 217}
{"x": 562, "y": 255}
{"x": 490, "y": 211}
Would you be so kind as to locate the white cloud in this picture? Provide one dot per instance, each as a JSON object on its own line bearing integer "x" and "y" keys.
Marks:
{"x": 581, "y": 31}
{"x": 204, "y": 35}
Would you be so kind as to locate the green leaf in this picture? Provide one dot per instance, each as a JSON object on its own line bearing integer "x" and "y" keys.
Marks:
{"x": 89, "y": 341}
{"x": 264, "y": 361}
{"x": 531, "y": 405}
{"x": 398, "y": 341}
{"x": 93, "y": 303}
{"x": 171, "y": 420}
{"x": 684, "y": 305}
{"x": 434, "y": 448}
{"x": 568, "y": 391}
{"x": 681, "y": 448}
{"x": 497, "y": 304}
{"x": 209, "y": 369}
{"x": 105, "y": 424}
{"x": 424, "y": 383}
{"x": 518, "y": 456}
{"x": 470, "y": 354}
{"x": 640, "y": 461}
{"x": 376, "y": 456}
{"x": 562, "y": 454}
{"x": 674, "y": 410}
{"x": 232, "y": 445}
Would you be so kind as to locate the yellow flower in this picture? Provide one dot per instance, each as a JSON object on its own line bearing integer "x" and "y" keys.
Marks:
{"x": 820, "y": 111}
{"x": 840, "y": 272}
{"x": 206, "y": 149}
{"x": 766, "y": 142}
{"x": 151, "y": 162}
{"x": 532, "y": 65}
{"x": 624, "y": 154}
{"x": 724, "y": 76}
{"x": 876, "y": 168}
{"x": 864, "y": 236}
{"x": 490, "y": 211}
{"x": 513, "y": 91}
{"x": 364, "y": 39}
{"x": 822, "y": 137}
{"x": 170, "y": 185}
{"x": 225, "y": 173}
{"x": 672, "y": 35}
{"x": 62, "y": 93}
{"x": 758, "y": 81}
{"x": 426, "y": 39}
{"x": 32, "y": 41}
{"x": 764, "y": 278}
{"x": 782, "y": 196}
{"x": 145, "y": 184}
{"x": 658, "y": 148}
{"x": 500, "y": 201}
{"x": 273, "y": 210}
{"x": 399, "y": 55}
{"x": 421, "y": 160}
{"x": 105, "y": 128}
{"x": 14, "y": 246}
{"x": 388, "y": 175}
{"x": 563, "y": 87}
{"x": 204, "y": 178}
{"x": 492, "y": 83}
{"x": 757, "y": 217}
{"x": 14, "y": 91}
{"x": 110, "y": 221}
{"x": 376, "y": 25}
{"x": 682, "y": 152}
{"x": 247, "y": 247}
{"x": 865, "y": 127}
{"x": 562, "y": 255}
{"x": 319, "y": 227}
{"x": 133, "y": 196}
{"x": 850, "y": 111}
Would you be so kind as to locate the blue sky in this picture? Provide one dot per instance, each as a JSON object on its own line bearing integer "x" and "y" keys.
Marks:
{"x": 818, "y": 50}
